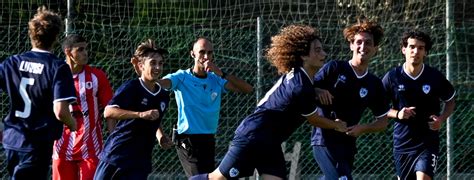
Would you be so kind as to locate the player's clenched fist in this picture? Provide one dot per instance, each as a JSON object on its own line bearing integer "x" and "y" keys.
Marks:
{"x": 165, "y": 142}
{"x": 406, "y": 113}
{"x": 150, "y": 114}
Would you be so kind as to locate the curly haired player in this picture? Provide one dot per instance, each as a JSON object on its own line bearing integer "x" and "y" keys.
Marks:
{"x": 297, "y": 53}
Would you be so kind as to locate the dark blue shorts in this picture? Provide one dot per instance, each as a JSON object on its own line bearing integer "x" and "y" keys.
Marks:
{"x": 243, "y": 157}
{"x": 408, "y": 164}
{"x": 331, "y": 166}
{"x": 106, "y": 171}
{"x": 29, "y": 165}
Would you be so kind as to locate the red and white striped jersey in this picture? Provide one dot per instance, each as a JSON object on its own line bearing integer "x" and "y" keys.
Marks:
{"x": 93, "y": 92}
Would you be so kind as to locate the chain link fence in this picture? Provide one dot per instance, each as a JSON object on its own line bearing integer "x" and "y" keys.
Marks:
{"x": 115, "y": 27}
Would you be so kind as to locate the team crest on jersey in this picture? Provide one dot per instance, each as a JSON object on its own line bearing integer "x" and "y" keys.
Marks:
{"x": 145, "y": 101}
{"x": 89, "y": 85}
{"x": 401, "y": 87}
{"x": 233, "y": 172}
{"x": 426, "y": 88}
{"x": 163, "y": 106}
{"x": 213, "y": 96}
{"x": 363, "y": 92}
{"x": 341, "y": 79}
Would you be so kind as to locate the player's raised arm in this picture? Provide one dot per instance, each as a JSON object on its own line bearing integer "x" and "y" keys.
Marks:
{"x": 379, "y": 124}
{"x": 116, "y": 113}
{"x": 165, "y": 83}
{"x": 234, "y": 83}
{"x": 325, "y": 123}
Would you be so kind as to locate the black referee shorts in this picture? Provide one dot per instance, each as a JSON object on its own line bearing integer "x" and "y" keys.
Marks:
{"x": 196, "y": 153}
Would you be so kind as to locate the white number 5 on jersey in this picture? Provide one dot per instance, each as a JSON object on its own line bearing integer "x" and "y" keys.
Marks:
{"x": 26, "y": 99}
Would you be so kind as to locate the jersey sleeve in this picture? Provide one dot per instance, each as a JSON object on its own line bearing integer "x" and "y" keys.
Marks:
{"x": 176, "y": 78}
{"x": 447, "y": 90}
{"x": 387, "y": 85}
{"x": 222, "y": 82}
{"x": 380, "y": 103}
{"x": 105, "y": 91}
{"x": 63, "y": 85}
{"x": 321, "y": 79}
{"x": 305, "y": 100}
{"x": 304, "y": 95}
{"x": 123, "y": 96}
{"x": 386, "y": 82}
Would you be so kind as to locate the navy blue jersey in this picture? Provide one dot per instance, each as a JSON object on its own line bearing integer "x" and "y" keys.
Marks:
{"x": 282, "y": 110}
{"x": 33, "y": 81}
{"x": 425, "y": 93}
{"x": 352, "y": 95}
{"x": 131, "y": 143}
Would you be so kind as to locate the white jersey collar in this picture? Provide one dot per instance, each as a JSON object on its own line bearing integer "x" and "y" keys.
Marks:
{"x": 143, "y": 85}
{"x": 353, "y": 70}
{"x": 40, "y": 50}
{"x": 310, "y": 79}
{"x": 408, "y": 74}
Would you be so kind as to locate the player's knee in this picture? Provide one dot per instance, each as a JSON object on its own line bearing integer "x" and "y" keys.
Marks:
{"x": 270, "y": 177}
{"x": 420, "y": 175}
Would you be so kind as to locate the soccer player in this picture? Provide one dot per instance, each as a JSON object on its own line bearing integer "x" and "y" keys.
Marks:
{"x": 416, "y": 91}
{"x": 138, "y": 106}
{"x": 40, "y": 89}
{"x": 198, "y": 91}
{"x": 297, "y": 53}
{"x": 353, "y": 89}
{"x": 75, "y": 155}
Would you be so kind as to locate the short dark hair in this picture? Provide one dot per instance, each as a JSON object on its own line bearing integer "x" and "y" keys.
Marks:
{"x": 72, "y": 39}
{"x": 418, "y": 35}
